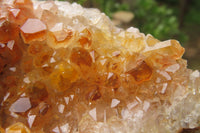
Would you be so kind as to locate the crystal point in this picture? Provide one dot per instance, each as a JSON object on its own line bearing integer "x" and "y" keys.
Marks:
{"x": 68, "y": 69}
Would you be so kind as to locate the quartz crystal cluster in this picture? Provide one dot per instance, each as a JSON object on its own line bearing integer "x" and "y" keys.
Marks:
{"x": 68, "y": 69}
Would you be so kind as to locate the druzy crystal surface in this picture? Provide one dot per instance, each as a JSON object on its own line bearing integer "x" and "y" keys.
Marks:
{"x": 67, "y": 69}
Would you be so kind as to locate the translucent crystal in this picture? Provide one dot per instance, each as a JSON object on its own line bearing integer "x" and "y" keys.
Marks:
{"x": 17, "y": 128}
{"x": 21, "y": 105}
{"x": 68, "y": 69}
{"x": 36, "y": 31}
{"x": 15, "y": 12}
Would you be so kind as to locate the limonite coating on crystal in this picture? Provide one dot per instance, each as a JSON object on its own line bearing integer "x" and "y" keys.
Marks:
{"x": 68, "y": 69}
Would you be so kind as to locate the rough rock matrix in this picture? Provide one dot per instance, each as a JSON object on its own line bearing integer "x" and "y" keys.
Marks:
{"x": 67, "y": 69}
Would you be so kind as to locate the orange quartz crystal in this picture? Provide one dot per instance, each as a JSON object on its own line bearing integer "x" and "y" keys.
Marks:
{"x": 67, "y": 69}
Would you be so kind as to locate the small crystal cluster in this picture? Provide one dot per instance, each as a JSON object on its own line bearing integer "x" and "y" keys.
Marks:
{"x": 67, "y": 69}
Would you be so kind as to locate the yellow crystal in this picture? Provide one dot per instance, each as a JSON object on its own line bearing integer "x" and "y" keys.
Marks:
{"x": 64, "y": 68}
{"x": 17, "y": 128}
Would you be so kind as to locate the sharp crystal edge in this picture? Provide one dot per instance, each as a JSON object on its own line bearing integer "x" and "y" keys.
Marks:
{"x": 68, "y": 69}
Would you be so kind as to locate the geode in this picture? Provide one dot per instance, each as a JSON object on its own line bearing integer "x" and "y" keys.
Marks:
{"x": 68, "y": 69}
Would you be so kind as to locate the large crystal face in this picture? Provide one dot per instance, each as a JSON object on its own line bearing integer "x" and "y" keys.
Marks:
{"x": 67, "y": 69}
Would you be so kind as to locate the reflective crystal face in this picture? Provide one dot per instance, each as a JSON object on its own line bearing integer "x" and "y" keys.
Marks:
{"x": 67, "y": 69}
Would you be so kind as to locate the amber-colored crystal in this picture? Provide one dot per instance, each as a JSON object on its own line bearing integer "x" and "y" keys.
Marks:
{"x": 85, "y": 38}
{"x": 17, "y": 128}
{"x": 80, "y": 57}
{"x": 67, "y": 69}
{"x": 151, "y": 41}
{"x": 142, "y": 72}
{"x": 36, "y": 32}
{"x": 2, "y": 130}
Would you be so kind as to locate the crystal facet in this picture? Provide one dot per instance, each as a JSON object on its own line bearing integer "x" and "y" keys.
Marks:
{"x": 68, "y": 69}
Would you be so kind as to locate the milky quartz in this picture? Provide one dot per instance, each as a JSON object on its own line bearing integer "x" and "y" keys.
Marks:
{"x": 68, "y": 69}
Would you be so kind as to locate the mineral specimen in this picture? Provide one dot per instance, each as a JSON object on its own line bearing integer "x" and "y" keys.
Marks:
{"x": 67, "y": 69}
